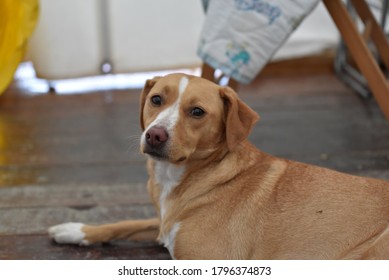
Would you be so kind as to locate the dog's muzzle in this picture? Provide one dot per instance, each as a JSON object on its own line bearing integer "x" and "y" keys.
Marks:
{"x": 156, "y": 138}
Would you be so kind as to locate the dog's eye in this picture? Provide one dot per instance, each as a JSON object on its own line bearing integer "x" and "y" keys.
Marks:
{"x": 197, "y": 112}
{"x": 156, "y": 100}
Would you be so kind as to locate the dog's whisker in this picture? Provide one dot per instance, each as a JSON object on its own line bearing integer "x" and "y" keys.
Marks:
{"x": 133, "y": 149}
{"x": 134, "y": 141}
{"x": 134, "y": 137}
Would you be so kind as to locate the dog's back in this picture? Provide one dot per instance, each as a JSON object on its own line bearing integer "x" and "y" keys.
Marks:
{"x": 317, "y": 213}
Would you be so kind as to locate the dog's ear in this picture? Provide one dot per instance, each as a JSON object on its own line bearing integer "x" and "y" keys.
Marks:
{"x": 146, "y": 89}
{"x": 239, "y": 117}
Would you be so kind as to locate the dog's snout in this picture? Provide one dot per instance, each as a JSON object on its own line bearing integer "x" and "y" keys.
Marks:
{"x": 156, "y": 137}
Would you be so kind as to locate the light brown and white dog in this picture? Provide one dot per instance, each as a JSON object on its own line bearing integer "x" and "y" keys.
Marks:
{"x": 218, "y": 197}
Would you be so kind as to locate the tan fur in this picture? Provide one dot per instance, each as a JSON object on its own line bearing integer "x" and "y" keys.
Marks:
{"x": 236, "y": 202}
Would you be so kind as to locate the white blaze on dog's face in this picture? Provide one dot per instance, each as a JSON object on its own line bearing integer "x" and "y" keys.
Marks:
{"x": 186, "y": 117}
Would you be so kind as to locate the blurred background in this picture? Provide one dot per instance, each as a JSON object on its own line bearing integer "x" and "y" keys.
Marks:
{"x": 74, "y": 39}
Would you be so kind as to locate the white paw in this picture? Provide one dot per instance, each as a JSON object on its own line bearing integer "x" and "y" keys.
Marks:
{"x": 69, "y": 233}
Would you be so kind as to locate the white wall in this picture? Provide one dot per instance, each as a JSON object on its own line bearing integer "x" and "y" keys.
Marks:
{"x": 154, "y": 34}
{"x": 66, "y": 42}
{"x": 143, "y": 35}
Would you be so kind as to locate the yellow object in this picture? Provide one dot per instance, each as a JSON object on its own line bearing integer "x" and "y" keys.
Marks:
{"x": 17, "y": 21}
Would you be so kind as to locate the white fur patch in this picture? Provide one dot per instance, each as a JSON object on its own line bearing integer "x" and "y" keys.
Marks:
{"x": 183, "y": 84}
{"x": 68, "y": 233}
{"x": 169, "y": 239}
{"x": 168, "y": 176}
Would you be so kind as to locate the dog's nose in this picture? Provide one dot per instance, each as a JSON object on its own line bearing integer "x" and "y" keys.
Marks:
{"x": 156, "y": 137}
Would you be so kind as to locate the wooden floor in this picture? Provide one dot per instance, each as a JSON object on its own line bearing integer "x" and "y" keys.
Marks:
{"x": 75, "y": 157}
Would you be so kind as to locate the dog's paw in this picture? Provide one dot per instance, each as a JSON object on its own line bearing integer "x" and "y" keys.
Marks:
{"x": 69, "y": 233}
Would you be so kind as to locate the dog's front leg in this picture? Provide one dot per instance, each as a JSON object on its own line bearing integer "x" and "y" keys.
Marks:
{"x": 78, "y": 233}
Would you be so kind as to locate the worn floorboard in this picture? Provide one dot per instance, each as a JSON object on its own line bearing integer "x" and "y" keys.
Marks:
{"x": 39, "y": 247}
{"x": 75, "y": 157}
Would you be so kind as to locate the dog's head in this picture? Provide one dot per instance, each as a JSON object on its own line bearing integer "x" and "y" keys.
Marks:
{"x": 186, "y": 117}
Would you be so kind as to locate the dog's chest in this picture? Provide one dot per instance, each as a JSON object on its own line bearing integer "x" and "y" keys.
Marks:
{"x": 167, "y": 176}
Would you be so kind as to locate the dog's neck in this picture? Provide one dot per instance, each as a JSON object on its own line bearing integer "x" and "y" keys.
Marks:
{"x": 221, "y": 166}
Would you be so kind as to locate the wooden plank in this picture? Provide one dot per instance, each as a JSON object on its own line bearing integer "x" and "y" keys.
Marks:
{"x": 69, "y": 150}
{"x": 74, "y": 196}
{"x": 39, "y": 247}
{"x": 377, "y": 35}
{"x": 36, "y": 220}
{"x": 361, "y": 53}
{"x": 313, "y": 65}
{"x": 207, "y": 72}
{"x": 296, "y": 86}
{"x": 108, "y": 173}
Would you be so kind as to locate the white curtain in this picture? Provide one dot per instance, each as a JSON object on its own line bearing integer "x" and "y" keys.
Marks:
{"x": 74, "y": 38}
